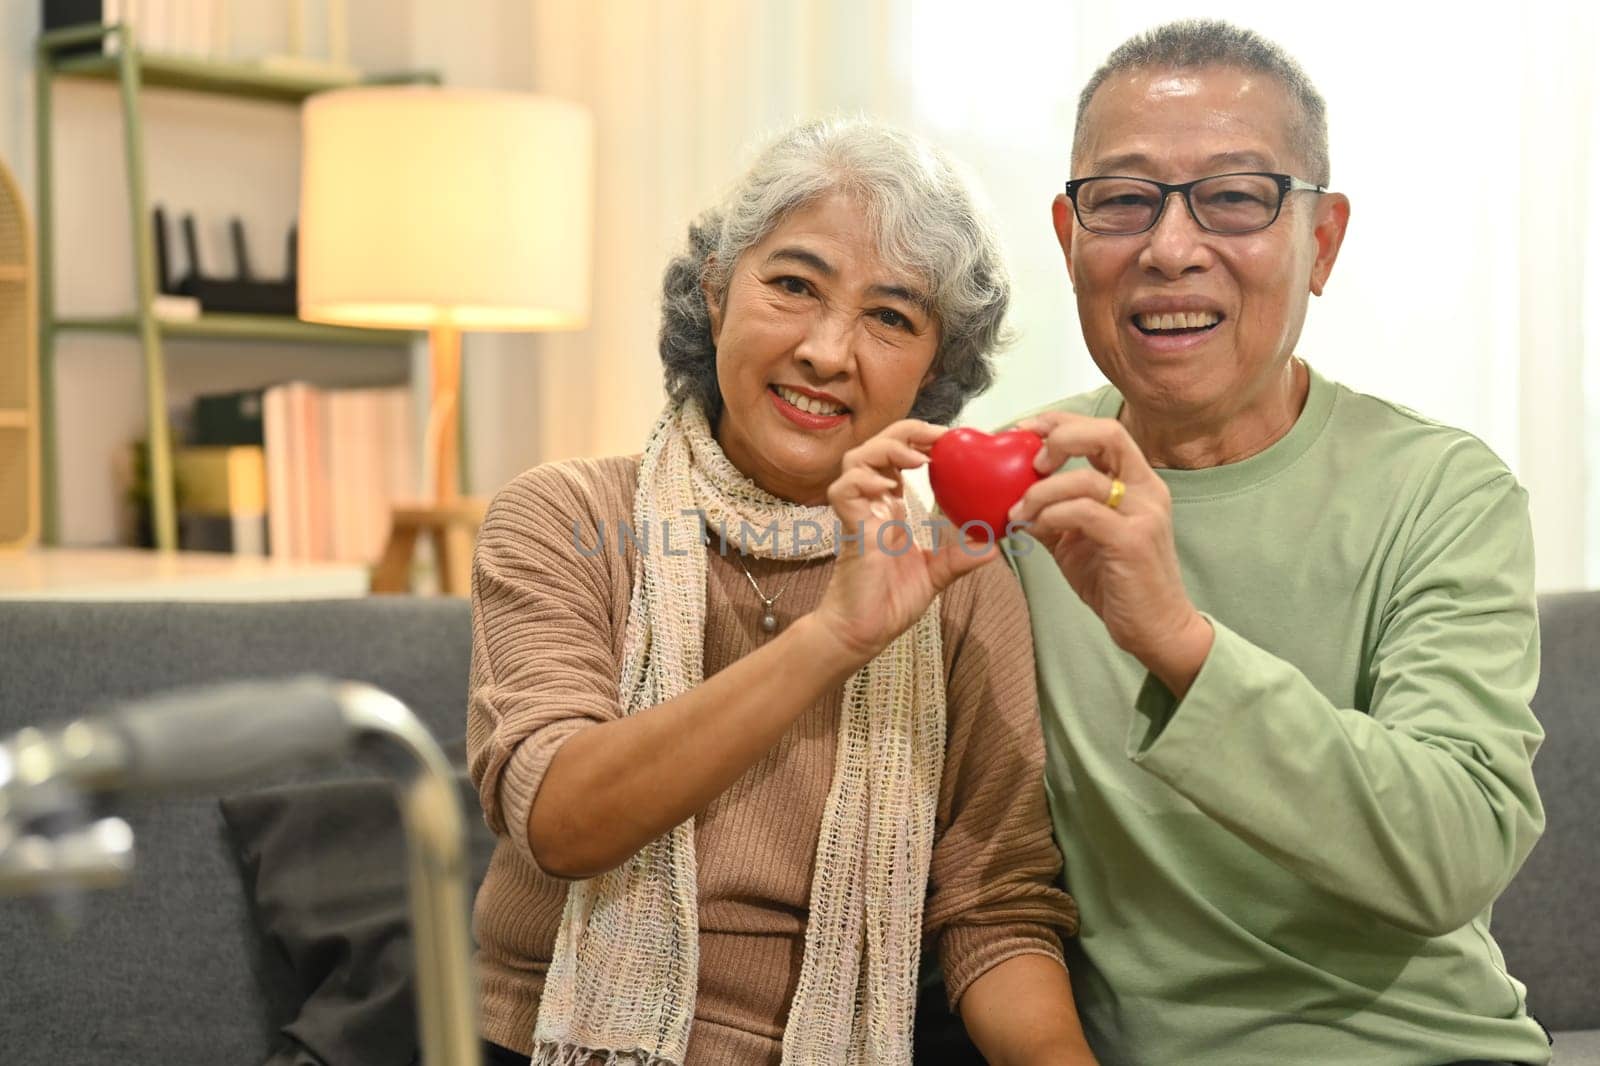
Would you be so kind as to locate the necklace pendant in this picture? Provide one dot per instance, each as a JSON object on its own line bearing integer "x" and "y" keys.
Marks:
{"x": 769, "y": 622}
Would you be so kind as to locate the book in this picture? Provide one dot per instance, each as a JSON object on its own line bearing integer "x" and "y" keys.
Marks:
{"x": 228, "y": 418}
{"x": 59, "y": 14}
{"x": 339, "y": 412}
{"x": 164, "y": 27}
{"x": 233, "y": 534}
{"x": 337, "y": 460}
{"x": 277, "y": 444}
{"x": 315, "y": 521}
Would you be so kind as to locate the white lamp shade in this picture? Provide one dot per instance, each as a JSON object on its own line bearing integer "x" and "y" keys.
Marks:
{"x": 423, "y": 207}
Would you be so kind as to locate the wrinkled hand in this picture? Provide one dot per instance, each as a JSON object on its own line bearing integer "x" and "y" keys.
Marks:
{"x": 1122, "y": 562}
{"x": 884, "y": 581}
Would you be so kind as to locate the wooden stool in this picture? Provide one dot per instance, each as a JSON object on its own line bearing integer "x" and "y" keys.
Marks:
{"x": 453, "y": 528}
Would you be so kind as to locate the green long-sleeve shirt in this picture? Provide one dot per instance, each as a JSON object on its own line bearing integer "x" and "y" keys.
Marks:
{"x": 1296, "y": 863}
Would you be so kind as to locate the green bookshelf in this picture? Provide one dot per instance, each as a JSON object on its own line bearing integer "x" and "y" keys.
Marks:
{"x": 248, "y": 80}
{"x": 133, "y": 71}
{"x": 273, "y": 328}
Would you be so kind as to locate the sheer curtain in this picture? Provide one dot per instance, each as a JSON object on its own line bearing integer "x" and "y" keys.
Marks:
{"x": 1469, "y": 283}
{"x": 1468, "y": 287}
{"x": 682, "y": 94}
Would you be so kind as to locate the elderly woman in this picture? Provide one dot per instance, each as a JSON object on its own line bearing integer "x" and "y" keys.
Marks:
{"x": 746, "y": 752}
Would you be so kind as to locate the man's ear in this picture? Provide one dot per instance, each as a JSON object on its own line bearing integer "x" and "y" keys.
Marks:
{"x": 1333, "y": 215}
{"x": 713, "y": 305}
{"x": 1063, "y": 219}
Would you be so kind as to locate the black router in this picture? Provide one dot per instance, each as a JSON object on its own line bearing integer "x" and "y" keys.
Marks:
{"x": 241, "y": 294}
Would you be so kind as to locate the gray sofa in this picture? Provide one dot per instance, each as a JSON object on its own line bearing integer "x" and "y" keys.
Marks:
{"x": 172, "y": 969}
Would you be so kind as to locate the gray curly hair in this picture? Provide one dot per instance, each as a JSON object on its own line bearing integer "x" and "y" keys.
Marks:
{"x": 922, "y": 216}
{"x": 1190, "y": 44}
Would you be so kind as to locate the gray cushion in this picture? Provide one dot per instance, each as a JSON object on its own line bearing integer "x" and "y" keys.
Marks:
{"x": 324, "y": 864}
{"x": 1548, "y": 921}
{"x": 172, "y": 960}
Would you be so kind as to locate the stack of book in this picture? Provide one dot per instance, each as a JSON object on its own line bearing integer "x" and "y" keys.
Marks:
{"x": 297, "y": 472}
{"x": 222, "y": 498}
{"x": 197, "y": 28}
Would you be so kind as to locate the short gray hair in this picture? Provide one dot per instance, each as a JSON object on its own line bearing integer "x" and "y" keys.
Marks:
{"x": 1191, "y": 44}
{"x": 922, "y": 216}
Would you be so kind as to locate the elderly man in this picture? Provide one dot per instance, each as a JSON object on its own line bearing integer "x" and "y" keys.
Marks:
{"x": 1286, "y": 634}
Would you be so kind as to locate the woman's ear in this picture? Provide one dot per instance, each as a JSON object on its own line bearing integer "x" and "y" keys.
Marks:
{"x": 713, "y": 305}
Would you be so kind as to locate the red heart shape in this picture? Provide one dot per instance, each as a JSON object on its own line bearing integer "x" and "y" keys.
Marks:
{"x": 976, "y": 476}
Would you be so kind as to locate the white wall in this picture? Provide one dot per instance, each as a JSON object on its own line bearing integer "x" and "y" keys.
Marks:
{"x": 219, "y": 157}
{"x": 19, "y": 23}
{"x": 1466, "y": 146}
{"x": 1443, "y": 299}
{"x": 683, "y": 95}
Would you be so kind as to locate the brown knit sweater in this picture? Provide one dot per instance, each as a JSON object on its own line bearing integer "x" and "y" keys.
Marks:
{"x": 546, "y": 655}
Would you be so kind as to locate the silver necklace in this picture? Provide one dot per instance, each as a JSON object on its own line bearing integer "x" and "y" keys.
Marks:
{"x": 769, "y": 621}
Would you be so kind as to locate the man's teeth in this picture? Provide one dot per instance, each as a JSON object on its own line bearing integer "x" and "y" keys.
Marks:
{"x": 1181, "y": 320}
{"x": 809, "y": 404}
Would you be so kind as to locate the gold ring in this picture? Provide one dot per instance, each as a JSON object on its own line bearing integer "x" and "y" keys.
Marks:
{"x": 1118, "y": 490}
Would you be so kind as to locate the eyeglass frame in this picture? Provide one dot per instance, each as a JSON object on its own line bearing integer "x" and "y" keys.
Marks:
{"x": 1287, "y": 183}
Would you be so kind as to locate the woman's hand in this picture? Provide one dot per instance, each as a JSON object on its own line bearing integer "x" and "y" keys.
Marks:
{"x": 1122, "y": 561}
{"x": 884, "y": 580}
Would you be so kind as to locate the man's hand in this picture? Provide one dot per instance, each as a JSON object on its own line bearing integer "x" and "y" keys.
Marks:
{"x": 1121, "y": 561}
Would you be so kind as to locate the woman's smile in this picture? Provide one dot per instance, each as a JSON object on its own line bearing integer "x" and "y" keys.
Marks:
{"x": 808, "y": 410}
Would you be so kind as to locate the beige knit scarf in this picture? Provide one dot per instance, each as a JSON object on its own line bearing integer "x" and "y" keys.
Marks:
{"x": 621, "y": 988}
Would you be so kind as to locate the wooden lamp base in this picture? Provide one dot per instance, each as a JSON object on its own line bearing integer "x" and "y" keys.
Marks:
{"x": 452, "y": 527}
{"x": 450, "y": 520}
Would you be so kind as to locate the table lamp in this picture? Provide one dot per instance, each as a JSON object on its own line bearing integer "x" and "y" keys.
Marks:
{"x": 444, "y": 209}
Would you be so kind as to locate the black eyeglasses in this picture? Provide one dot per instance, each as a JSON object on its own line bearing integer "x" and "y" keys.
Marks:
{"x": 1223, "y": 203}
